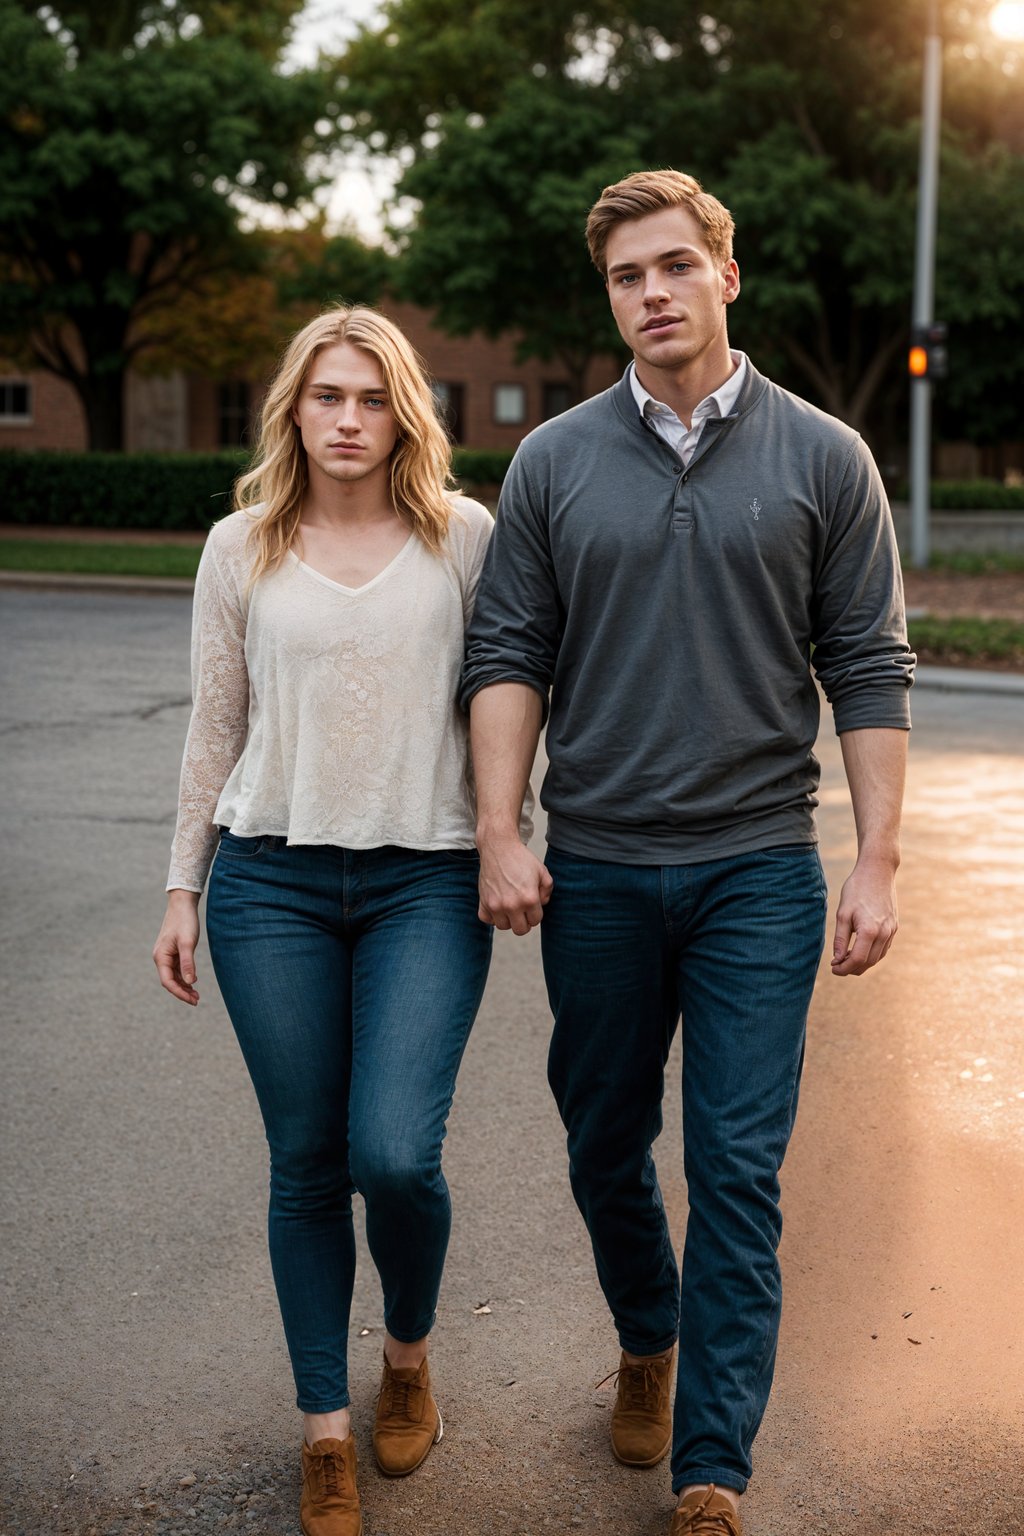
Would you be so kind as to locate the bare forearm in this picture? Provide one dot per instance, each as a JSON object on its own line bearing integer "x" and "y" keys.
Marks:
{"x": 504, "y": 730}
{"x": 876, "y": 770}
{"x": 867, "y": 918}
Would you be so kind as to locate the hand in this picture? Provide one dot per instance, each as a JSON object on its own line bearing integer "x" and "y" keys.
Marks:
{"x": 515, "y": 887}
{"x": 866, "y": 922}
{"x": 175, "y": 947}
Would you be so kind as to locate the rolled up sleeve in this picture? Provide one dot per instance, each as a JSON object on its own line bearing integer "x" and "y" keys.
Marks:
{"x": 861, "y": 657}
{"x": 518, "y": 619}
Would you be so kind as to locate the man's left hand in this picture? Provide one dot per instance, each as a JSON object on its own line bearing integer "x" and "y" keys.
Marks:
{"x": 866, "y": 922}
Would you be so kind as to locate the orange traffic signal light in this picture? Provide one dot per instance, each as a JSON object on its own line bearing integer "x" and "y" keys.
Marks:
{"x": 928, "y": 357}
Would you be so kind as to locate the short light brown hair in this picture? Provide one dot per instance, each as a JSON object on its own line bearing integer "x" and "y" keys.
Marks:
{"x": 648, "y": 192}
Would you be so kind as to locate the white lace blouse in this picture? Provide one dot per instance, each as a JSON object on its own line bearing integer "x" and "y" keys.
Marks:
{"x": 326, "y": 714}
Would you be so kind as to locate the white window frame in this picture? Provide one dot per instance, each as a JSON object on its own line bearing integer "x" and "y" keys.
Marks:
{"x": 507, "y": 414}
{"x": 11, "y": 418}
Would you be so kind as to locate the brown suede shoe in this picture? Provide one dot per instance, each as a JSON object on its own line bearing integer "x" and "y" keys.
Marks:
{"x": 642, "y": 1416}
{"x": 705, "y": 1512}
{"x": 330, "y": 1502}
{"x": 408, "y": 1421}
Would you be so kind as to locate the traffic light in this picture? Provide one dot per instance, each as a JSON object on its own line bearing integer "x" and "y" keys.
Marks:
{"x": 928, "y": 357}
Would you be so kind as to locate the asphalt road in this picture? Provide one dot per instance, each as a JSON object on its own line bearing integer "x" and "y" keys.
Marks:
{"x": 146, "y": 1383}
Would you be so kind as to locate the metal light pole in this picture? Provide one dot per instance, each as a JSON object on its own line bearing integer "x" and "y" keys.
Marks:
{"x": 924, "y": 290}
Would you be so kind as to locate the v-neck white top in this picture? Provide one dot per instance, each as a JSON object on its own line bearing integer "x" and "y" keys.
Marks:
{"x": 327, "y": 714}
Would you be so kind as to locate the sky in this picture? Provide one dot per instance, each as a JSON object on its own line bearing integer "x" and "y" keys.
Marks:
{"x": 361, "y": 183}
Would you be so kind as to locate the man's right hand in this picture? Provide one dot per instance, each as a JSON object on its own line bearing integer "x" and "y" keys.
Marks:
{"x": 515, "y": 887}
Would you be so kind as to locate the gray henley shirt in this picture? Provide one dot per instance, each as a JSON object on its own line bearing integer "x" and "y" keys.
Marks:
{"x": 670, "y": 612}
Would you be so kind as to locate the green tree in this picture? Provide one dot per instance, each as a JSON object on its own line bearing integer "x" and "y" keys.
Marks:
{"x": 235, "y": 323}
{"x": 980, "y": 288}
{"x": 498, "y": 245}
{"x": 804, "y": 118}
{"x": 802, "y": 115}
{"x": 124, "y": 131}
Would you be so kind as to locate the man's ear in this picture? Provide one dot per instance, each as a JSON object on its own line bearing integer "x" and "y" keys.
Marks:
{"x": 730, "y": 282}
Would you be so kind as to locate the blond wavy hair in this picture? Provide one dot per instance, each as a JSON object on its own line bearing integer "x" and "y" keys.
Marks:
{"x": 420, "y": 467}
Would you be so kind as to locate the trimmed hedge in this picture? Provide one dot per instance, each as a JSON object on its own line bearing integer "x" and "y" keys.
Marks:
{"x": 153, "y": 490}
{"x": 480, "y": 466}
{"x": 971, "y": 496}
{"x": 118, "y": 490}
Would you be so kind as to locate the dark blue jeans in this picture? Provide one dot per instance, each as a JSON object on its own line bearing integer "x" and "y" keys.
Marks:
{"x": 352, "y": 979}
{"x": 733, "y": 946}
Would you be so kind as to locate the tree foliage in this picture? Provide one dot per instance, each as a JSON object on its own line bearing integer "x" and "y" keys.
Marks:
{"x": 124, "y": 131}
{"x": 802, "y": 115}
{"x": 234, "y": 324}
{"x": 498, "y": 241}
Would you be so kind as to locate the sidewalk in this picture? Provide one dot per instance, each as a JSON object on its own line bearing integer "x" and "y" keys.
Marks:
{"x": 950, "y": 679}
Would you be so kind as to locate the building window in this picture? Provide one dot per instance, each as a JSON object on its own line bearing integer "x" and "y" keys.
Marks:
{"x": 232, "y": 414}
{"x": 556, "y": 399}
{"x": 451, "y": 402}
{"x": 509, "y": 405}
{"x": 15, "y": 402}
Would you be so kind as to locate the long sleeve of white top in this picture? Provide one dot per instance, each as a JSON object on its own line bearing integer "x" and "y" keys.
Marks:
{"x": 219, "y": 722}
{"x": 325, "y": 714}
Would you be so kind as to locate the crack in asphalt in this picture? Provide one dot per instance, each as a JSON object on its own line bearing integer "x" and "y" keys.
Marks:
{"x": 148, "y": 712}
{"x": 166, "y": 820}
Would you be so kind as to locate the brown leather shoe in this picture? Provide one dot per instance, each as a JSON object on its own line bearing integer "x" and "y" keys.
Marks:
{"x": 705, "y": 1512}
{"x": 330, "y": 1502}
{"x": 642, "y": 1416}
{"x": 408, "y": 1420}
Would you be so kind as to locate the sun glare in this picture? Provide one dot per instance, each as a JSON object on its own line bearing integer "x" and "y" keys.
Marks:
{"x": 1007, "y": 20}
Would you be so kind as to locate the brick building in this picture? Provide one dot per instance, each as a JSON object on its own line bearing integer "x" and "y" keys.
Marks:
{"x": 491, "y": 400}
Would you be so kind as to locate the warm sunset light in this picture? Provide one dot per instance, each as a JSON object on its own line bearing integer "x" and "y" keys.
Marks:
{"x": 1007, "y": 20}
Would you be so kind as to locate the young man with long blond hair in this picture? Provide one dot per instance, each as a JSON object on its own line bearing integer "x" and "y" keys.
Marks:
{"x": 326, "y": 764}
{"x": 666, "y": 557}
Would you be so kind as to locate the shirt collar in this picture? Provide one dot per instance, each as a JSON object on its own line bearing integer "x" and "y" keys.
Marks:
{"x": 723, "y": 398}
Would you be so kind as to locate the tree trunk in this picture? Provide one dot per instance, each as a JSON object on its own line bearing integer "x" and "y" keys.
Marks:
{"x": 576, "y": 368}
{"x": 102, "y": 397}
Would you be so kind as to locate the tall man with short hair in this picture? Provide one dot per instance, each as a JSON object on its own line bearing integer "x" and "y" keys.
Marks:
{"x": 666, "y": 556}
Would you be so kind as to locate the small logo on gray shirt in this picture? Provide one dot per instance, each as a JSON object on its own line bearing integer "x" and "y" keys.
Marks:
{"x": 755, "y": 507}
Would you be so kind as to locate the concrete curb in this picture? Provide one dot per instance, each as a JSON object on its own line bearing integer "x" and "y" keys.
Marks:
{"x": 951, "y": 679}
{"x": 60, "y": 581}
{"x": 968, "y": 680}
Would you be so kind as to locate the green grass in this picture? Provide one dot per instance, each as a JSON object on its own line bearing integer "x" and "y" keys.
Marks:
{"x": 952, "y": 641}
{"x": 93, "y": 559}
{"x": 975, "y": 564}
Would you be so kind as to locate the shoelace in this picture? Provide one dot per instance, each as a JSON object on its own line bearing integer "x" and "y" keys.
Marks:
{"x": 638, "y": 1384}
{"x": 702, "y": 1522}
{"x": 716, "y": 1524}
{"x": 328, "y": 1467}
{"x": 396, "y": 1397}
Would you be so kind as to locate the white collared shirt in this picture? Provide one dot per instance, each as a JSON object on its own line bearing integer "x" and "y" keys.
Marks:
{"x": 680, "y": 438}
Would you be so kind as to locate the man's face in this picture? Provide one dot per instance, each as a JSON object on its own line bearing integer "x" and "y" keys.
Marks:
{"x": 667, "y": 294}
{"x": 343, "y": 414}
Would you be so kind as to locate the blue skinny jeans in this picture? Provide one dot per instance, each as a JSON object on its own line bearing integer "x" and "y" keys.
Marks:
{"x": 733, "y": 946}
{"x": 352, "y": 979}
